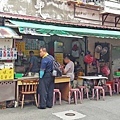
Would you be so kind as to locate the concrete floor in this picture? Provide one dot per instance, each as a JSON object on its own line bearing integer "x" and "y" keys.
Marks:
{"x": 94, "y": 110}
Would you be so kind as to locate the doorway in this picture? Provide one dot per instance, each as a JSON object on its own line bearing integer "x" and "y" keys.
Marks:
{"x": 115, "y": 59}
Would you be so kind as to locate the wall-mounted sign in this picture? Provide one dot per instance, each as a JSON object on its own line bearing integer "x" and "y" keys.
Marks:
{"x": 112, "y": 7}
{"x": 58, "y": 46}
{"x": 20, "y": 46}
{"x": 59, "y": 57}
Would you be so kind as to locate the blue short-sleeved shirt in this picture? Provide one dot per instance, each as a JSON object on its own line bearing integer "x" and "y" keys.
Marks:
{"x": 35, "y": 64}
{"x": 47, "y": 64}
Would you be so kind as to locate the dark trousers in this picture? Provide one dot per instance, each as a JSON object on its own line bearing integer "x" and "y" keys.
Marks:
{"x": 46, "y": 88}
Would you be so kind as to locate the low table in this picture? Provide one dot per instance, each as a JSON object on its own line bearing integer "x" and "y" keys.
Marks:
{"x": 93, "y": 79}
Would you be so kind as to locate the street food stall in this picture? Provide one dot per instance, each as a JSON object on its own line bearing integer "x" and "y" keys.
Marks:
{"x": 57, "y": 46}
{"x": 59, "y": 41}
{"x": 8, "y": 54}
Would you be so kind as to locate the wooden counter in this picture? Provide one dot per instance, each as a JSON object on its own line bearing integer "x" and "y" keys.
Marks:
{"x": 62, "y": 83}
{"x": 62, "y": 79}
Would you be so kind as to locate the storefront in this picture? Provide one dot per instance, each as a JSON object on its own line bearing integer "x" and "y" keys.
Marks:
{"x": 110, "y": 56}
{"x": 59, "y": 41}
{"x": 75, "y": 41}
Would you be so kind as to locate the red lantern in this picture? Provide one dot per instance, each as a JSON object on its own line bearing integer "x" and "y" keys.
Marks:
{"x": 88, "y": 59}
{"x": 105, "y": 70}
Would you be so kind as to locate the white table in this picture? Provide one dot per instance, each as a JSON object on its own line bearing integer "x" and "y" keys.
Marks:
{"x": 93, "y": 77}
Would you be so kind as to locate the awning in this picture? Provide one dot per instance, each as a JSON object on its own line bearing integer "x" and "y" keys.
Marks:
{"x": 6, "y": 32}
{"x": 34, "y": 28}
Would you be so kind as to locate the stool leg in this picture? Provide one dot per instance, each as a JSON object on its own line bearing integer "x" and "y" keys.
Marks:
{"x": 69, "y": 98}
{"x": 110, "y": 89}
{"x": 97, "y": 92}
{"x": 93, "y": 93}
{"x": 87, "y": 93}
{"x": 60, "y": 97}
{"x": 103, "y": 94}
{"x": 75, "y": 97}
{"x": 81, "y": 93}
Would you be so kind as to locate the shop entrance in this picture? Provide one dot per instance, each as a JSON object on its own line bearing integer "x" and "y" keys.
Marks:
{"x": 115, "y": 58}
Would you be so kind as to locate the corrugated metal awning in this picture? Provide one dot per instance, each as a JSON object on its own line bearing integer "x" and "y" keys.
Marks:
{"x": 6, "y": 32}
{"x": 33, "y": 28}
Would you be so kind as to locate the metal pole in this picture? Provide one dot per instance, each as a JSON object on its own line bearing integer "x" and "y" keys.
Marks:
{"x": 86, "y": 50}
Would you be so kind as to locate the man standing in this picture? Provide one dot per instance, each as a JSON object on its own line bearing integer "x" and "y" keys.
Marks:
{"x": 34, "y": 63}
{"x": 46, "y": 81}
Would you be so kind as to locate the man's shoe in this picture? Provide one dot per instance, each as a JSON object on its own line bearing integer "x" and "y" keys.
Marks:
{"x": 41, "y": 107}
{"x": 49, "y": 106}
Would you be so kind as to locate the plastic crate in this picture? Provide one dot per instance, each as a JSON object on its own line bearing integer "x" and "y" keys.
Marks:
{"x": 117, "y": 73}
{"x": 18, "y": 75}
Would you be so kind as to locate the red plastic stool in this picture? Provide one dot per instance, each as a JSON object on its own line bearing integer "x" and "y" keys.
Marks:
{"x": 54, "y": 96}
{"x": 116, "y": 84}
{"x": 109, "y": 87}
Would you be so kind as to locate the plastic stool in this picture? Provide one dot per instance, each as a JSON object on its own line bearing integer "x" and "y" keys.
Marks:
{"x": 54, "y": 96}
{"x": 110, "y": 88}
{"x": 84, "y": 88}
{"x": 76, "y": 93}
{"x": 97, "y": 88}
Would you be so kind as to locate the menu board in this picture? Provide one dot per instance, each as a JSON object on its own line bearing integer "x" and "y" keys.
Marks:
{"x": 33, "y": 44}
{"x": 59, "y": 57}
{"x": 29, "y": 45}
{"x": 20, "y": 46}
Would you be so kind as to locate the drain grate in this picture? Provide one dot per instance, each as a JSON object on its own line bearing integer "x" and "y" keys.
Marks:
{"x": 70, "y": 114}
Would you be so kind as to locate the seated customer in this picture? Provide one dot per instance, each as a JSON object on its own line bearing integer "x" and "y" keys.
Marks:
{"x": 78, "y": 81}
{"x": 69, "y": 68}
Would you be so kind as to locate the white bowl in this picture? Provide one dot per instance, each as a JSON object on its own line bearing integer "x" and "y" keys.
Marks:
{"x": 99, "y": 75}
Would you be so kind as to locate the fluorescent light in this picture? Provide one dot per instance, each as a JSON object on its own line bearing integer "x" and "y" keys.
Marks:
{"x": 70, "y": 36}
{"x": 39, "y": 34}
